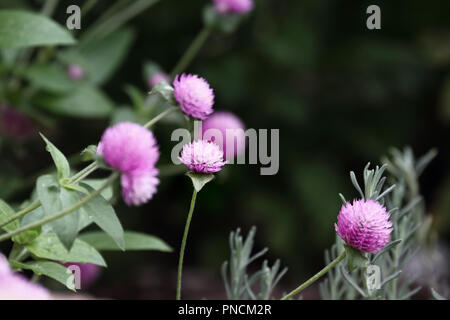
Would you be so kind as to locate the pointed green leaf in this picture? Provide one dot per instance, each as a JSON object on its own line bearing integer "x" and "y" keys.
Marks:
{"x": 103, "y": 214}
{"x": 62, "y": 165}
{"x": 166, "y": 91}
{"x": 50, "y": 269}
{"x": 23, "y": 29}
{"x": 55, "y": 198}
{"x": 50, "y": 77}
{"x": 48, "y": 246}
{"x": 133, "y": 241}
{"x": 5, "y": 214}
{"x": 199, "y": 179}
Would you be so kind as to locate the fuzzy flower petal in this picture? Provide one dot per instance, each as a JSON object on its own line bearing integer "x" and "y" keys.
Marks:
{"x": 129, "y": 147}
{"x": 202, "y": 156}
{"x": 233, "y": 6}
{"x": 14, "y": 286}
{"x": 364, "y": 225}
{"x": 195, "y": 96}
{"x": 229, "y": 125}
{"x": 138, "y": 187}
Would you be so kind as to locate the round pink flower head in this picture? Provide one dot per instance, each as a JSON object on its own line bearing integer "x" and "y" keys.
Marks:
{"x": 156, "y": 78}
{"x": 202, "y": 156}
{"x": 15, "y": 124}
{"x": 221, "y": 125}
{"x": 14, "y": 286}
{"x": 89, "y": 272}
{"x": 233, "y": 6}
{"x": 364, "y": 225}
{"x": 75, "y": 72}
{"x": 138, "y": 187}
{"x": 195, "y": 96}
{"x": 128, "y": 146}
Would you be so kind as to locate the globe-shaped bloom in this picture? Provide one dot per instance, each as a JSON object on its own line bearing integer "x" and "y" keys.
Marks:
{"x": 202, "y": 156}
{"x": 233, "y": 6}
{"x": 132, "y": 149}
{"x": 138, "y": 187}
{"x": 195, "y": 96}
{"x": 14, "y": 286}
{"x": 156, "y": 78}
{"x": 364, "y": 225}
{"x": 128, "y": 146}
{"x": 75, "y": 72}
{"x": 89, "y": 272}
{"x": 230, "y": 128}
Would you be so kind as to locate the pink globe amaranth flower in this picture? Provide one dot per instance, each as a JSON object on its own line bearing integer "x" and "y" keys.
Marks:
{"x": 227, "y": 124}
{"x": 15, "y": 124}
{"x": 202, "y": 156}
{"x": 14, "y": 286}
{"x": 75, "y": 72}
{"x": 233, "y": 6}
{"x": 195, "y": 96}
{"x": 89, "y": 272}
{"x": 156, "y": 78}
{"x": 138, "y": 187}
{"x": 128, "y": 147}
{"x": 364, "y": 225}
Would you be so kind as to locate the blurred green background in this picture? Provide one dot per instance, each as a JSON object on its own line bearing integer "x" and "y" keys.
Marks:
{"x": 340, "y": 94}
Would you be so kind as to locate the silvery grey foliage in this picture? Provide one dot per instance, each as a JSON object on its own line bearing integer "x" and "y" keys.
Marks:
{"x": 238, "y": 284}
{"x": 403, "y": 200}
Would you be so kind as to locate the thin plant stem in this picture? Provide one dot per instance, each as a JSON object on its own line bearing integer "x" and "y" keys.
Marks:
{"x": 159, "y": 117}
{"x": 191, "y": 52}
{"x": 183, "y": 243}
{"x": 84, "y": 172}
{"x": 315, "y": 277}
{"x": 21, "y": 213}
{"x": 61, "y": 213}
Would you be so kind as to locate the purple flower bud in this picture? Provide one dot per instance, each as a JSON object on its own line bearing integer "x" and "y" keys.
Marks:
{"x": 75, "y": 72}
{"x": 15, "y": 124}
{"x": 195, "y": 96}
{"x": 233, "y": 6}
{"x": 156, "y": 78}
{"x": 202, "y": 156}
{"x": 364, "y": 225}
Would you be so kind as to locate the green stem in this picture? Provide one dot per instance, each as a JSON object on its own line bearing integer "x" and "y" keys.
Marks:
{"x": 61, "y": 213}
{"x": 22, "y": 212}
{"x": 191, "y": 52}
{"x": 49, "y": 7}
{"x": 159, "y": 117}
{"x": 183, "y": 244}
{"x": 315, "y": 277}
{"x": 84, "y": 172}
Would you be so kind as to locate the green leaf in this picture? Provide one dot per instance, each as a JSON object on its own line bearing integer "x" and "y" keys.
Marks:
{"x": 50, "y": 269}
{"x": 5, "y": 213}
{"x": 62, "y": 165}
{"x": 107, "y": 194}
{"x": 436, "y": 295}
{"x": 199, "y": 179}
{"x": 105, "y": 54}
{"x": 355, "y": 259}
{"x": 23, "y": 29}
{"x": 166, "y": 91}
{"x": 133, "y": 241}
{"x": 48, "y": 246}
{"x": 103, "y": 214}
{"x": 55, "y": 198}
{"x": 50, "y": 77}
{"x": 84, "y": 101}
{"x": 27, "y": 236}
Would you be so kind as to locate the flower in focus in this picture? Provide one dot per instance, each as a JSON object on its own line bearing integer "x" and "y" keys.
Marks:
{"x": 14, "y": 286}
{"x": 156, "y": 78}
{"x": 89, "y": 272}
{"x": 132, "y": 149}
{"x": 75, "y": 72}
{"x": 233, "y": 6}
{"x": 15, "y": 124}
{"x": 202, "y": 156}
{"x": 138, "y": 187}
{"x": 227, "y": 124}
{"x": 195, "y": 96}
{"x": 364, "y": 225}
